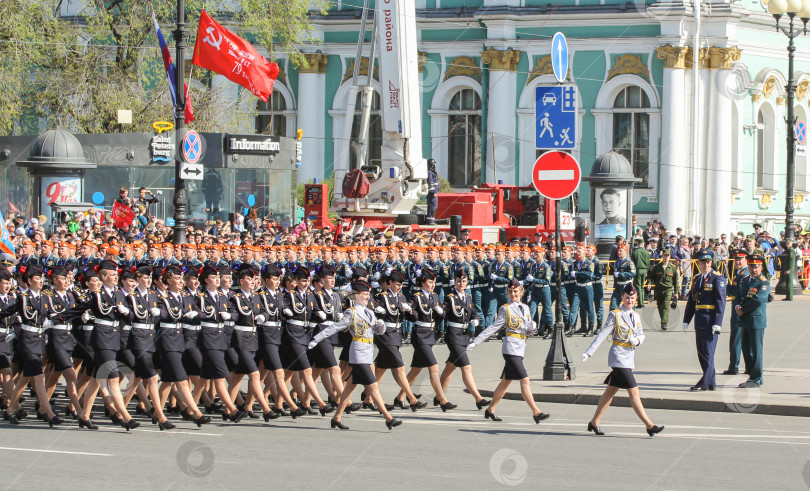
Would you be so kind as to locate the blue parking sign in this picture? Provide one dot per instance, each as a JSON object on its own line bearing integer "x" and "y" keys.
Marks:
{"x": 556, "y": 117}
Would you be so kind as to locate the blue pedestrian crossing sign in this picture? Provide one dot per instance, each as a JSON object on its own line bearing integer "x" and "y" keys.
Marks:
{"x": 556, "y": 117}
{"x": 559, "y": 56}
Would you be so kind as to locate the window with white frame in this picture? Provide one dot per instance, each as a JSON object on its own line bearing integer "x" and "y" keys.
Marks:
{"x": 464, "y": 138}
{"x": 765, "y": 177}
{"x": 270, "y": 118}
{"x": 631, "y": 129}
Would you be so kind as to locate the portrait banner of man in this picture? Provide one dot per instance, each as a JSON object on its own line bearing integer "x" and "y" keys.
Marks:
{"x": 610, "y": 212}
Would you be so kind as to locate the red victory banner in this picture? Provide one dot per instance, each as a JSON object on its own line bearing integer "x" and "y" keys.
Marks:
{"x": 223, "y": 52}
{"x": 122, "y": 215}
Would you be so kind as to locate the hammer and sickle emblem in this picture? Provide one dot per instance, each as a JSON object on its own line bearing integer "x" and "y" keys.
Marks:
{"x": 209, "y": 38}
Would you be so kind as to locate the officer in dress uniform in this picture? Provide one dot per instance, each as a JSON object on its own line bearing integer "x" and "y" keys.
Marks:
{"x": 569, "y": 285}
{"x": 623, "y": 273}
{"x": 326, "y": 311}
{"x": 537, "y": 283}
{"x": 7, "y": 297}
{"x": 735, "y": 335}
{"x": 582, "y": 304}
{"x": 706, "y": 302}
{"x": 750, "y": 306}
{"x": 500, "y": 274}
{"x": 598, "y": 288}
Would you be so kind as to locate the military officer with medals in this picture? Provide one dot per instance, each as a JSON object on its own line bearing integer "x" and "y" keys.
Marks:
{"x": 623, "y": 273}
{"x": 750, "y": 306}
{"x": 582, "y": 303}
{"x": 735, "y": 334}
{"x": 538, "y": 282}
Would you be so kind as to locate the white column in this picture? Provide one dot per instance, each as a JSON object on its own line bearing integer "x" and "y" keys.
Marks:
{"x": 501, "y": 114}
{"x": 311, "y": 118}
{"x": 717, "y": 197}
{"x": 673, "y": 195}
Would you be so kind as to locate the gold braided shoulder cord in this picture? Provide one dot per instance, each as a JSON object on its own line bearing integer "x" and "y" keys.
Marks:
{"x": 513, "y": 322}
{"x": 358, "y": 325}
{"x": 622, "y": 331}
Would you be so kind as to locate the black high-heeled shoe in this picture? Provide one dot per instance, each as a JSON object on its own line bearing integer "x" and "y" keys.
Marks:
{"x": 592, "y": 427}
{"x": 118, "y": 421}
{"x": 399, "y": 404}
{"x": 448, "y": 406}
{"x": 271, "y": 415}
{"x": 166, "y": 425}
{"x": 172, "y": 409}
{"x": 297, "y": 413}
{"x": 394, "y": 422}
{"x": 86, "y": 423}
{"x": 491, "y": 416}
{"x": 55, "y": 421}
{"x": 655, "y": 429}
{"x": 236, "y": 417}
{"x": 131, "y": 424}
{"x": 12, "y": 419}
{"x": 482, "y": 404}
{"x": 418, "y": 405}
{"x": 71, "y": 413}
{"x": 435, "y": 401}
{"x": 186, "y": 415}
{"x": 21, "y": 414}
{"x": 370, "y": 405}
{"x": 280, "y": 412}
{"x": 353, "y": 407}
{"x": 328, "y": 408}
{"x": 540, "y": 417}
{"x": 41, "y": 416}
{"x": 141, "y": 411}
{"x": 202, "y": 420}
{"x": 337, "y": 424}
{"x": 309, "y": 410}
{"x": 152, "y": 416}
{"x": 215, "y": 407}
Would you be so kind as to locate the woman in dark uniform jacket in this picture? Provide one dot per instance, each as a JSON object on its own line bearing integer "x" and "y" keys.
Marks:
{"x": 174, "y": 309}
{"x": 460, "y": 321}
{"x": 425, "y": 312}
{"x": 225, "y": 283}
{"x": 192, "y": 358}
{"x": 211, "y": 341}
{"x": 245, "y": 308}
{"x": 7, "y": 297}
{"x": 83, "y": 351}
{"x": 270, "y": 341}
{"x": 326, "y": 311}
{"x": 33, "y": 310}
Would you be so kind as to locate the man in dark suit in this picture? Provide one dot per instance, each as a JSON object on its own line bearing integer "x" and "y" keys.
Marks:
{"x": 706, "y": 302}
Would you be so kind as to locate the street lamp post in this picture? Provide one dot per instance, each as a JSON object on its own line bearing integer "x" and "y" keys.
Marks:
{"x": 180, "y": 201}
{"x": 793, "y": 9}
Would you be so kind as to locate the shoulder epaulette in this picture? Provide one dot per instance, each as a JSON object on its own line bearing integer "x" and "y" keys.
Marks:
{"x": 417, "y": 293}
{"x": 616, "y": 310}
{"x": 763, "y": 278}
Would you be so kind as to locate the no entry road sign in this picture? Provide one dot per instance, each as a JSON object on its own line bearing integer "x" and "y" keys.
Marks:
{"x": 556, "y": 175}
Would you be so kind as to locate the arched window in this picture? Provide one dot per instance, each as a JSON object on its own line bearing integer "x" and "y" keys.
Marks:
{"x": 766, "y": 150}
{"x": 270, "y": 118}
{"x": 373, "y": 149}
{"x": 631, "y": 129}
{"x": 464, "y": 138}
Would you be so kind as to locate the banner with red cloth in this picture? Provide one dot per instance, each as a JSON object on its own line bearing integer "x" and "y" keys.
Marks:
{"x": 122, "y": 215}
{"x": 223, "y": 52}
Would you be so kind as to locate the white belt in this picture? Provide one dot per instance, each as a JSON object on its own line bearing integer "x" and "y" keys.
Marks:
{"x": 623, "y": 282}
{"x": 499, "y": 286}
{"x": 585, "y": 284}
{"x": 229, "y": 323}
{"x": 126, "y": 328}
{"x": 35, "y": 330}
{"x": 5, "y": 330}
{"x": 103, "y": 322}
{"x": 169, "y": 326}
{"x": 424, "y": 324}
{"x": 570, "y": 282}
{"x": 215, "y": 325}
{"x": 539, "y": 286}
{"x": 87, "y": 327}
{"x": 147, "y": 327}
{"x": 272, "y": 324}
{"x": 244, "y": 328}
{"x": 297, "y": 323}
{"x": 190, "y": 327}
{"x": 459, "y": 325}
{"x": 392, "y": 324}
{"x": 60, "y": 327}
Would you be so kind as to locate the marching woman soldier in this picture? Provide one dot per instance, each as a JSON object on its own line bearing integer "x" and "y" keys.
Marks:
{"x": 362, "y": 325}
{"x": 623, "y": 325}
{"x": 245, "y": 309}
{"x": 212, "y": 344}
{"x": 425, "y": 310}
{"x": 460, "y": 321}
{"x": 326, "y": 311}
{"x": 192, "y": 358}
{"x": 60, "y": 341}
{"x": 225, "y": 283}
{"x": 125, "y": 355}
{"x": 174, "y": 308}
{"x": 83, "y": 351}
{"x": 6, "y": 328}
{"x": 270, "y": 341}
{"x": 515, "y": 318}
{"x": 391, "y": 306}
{"x": 33, "y": 310}
{"x": 145, "y": 314}
{"x": 298, "y": 306}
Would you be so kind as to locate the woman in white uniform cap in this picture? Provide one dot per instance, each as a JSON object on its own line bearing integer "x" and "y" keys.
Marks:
{"x": 623, "y": 325}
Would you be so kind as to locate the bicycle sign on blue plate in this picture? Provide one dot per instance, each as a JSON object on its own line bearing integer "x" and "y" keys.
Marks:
{"x": 556, "y": 117}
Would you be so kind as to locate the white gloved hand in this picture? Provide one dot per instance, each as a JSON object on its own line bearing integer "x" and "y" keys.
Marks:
{"x": 534, "y": 327}
{"x": 493, "y": 276}
{"x": 438, "y": 310}
{"x": 349, "y": 272}
{"x": 585, "y": 357}
{"x": 47, "y": 324}
{"x": 471, "y": 345}
{"x": 376, "y": 276}
{"x": 191, "y": 314}
{"x": 283, "y": 271}
{"x": 474, "y": 322}
{"x": 388, "y": 271}
{"x": 685, "y": 326}
{"x": 123, "y": 309}
{"x": 529, "y": 278}
{"x": 154, "y": 311}
{"x": 86, "y": 316}
{"x": 287, "y": 312}
{"x": 10, "y": 337}
{"x": 320, "y": 315}
{"x": 520, "y": 283}
{"x": 419, "y": 273}
{"x": 339, "y": 316}
{"x": 226, "y": 316}
{"x": 380, "y": 325}
{"x": 452, "y": 282}
{"x": 379, "y": 310}
{"x": 312, "y": 344}
{"x": 635, "y": 341}
{"x": 406, "y": 307}
{"x": 261, "y": 318}
{"x": 715, "y": 329}
{"x": 375, "y": 284}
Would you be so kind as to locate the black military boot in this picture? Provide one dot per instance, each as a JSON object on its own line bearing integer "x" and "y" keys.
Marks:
{"x": 589, "y": 332}
{"x": 582, "y": 329}
{"x": 569, "y": 330}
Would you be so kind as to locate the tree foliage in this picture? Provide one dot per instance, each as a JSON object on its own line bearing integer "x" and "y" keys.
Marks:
{"x": 76, "y": 64}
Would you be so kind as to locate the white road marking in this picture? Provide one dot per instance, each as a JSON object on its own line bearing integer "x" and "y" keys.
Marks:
{"x": 66, "y": 452}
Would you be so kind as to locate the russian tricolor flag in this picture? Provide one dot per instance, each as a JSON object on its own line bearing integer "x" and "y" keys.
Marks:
{"x": 171, "y": 72}
{"x": 5, "y": 238}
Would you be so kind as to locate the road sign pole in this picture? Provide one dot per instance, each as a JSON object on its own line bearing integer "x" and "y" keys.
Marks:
{"x": 180, "y": 200}
{"x": 558, "y": 363}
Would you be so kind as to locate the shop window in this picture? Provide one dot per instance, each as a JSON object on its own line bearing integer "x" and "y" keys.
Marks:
{"x": 270, "y": 118}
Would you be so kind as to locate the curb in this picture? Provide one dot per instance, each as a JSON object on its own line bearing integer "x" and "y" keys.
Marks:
{"x": 662, "y": 403}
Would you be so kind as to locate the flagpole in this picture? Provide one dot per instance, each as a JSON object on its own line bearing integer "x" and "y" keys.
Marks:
{"x": 180, "y": 201}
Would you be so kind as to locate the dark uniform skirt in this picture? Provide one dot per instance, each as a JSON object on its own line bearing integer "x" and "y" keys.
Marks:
{"x": 144, "y": 364}
{"x": 192, "y": 361}
{"x": 388, "y": 356}
{"x": 458, "y": 355}
{"x": 621, "y": 378}
{"x": 322, "y": 356}
{"x": 105, "y": 364}
{"x": 423, "y": 356}
{"x": 213, "y": 364}
{"x": 345, "y": 340}
{"x": 125, "y": 355}
{"x": 171, "y": 367}
{"x": 513, "y": 368}
{"x": 361, "y": 374}
{"x": 60, "y": 358}
{"x": 5, "y": 361}
{"x": 294, "y": 357}
{"x": 270, "y": 357}
{"x": 32, "y": 364}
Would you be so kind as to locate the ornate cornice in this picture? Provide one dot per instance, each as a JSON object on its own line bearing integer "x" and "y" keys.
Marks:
{"x": 713, "y": 58}
{"x": 674, "y": 56}
{"x": 723, "y": 58}
{"x": 505, "y": 60}
{"x": 316, "y": 63}
{"x": 463, "y": 66}
{"x": 363, "y": 70}
{"x": 629, "y": 65}
{"x": 422, "y": 58}
{"x": 542, "y": 67}
{"x": 768, "y": 86}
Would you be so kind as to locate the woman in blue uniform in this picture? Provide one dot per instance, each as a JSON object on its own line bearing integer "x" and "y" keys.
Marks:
{"x": 515, "y": 319}
{"x": 623, "y": 325}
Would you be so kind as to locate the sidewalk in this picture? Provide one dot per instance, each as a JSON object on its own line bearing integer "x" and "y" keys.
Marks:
{"x": 666, "y": 366}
